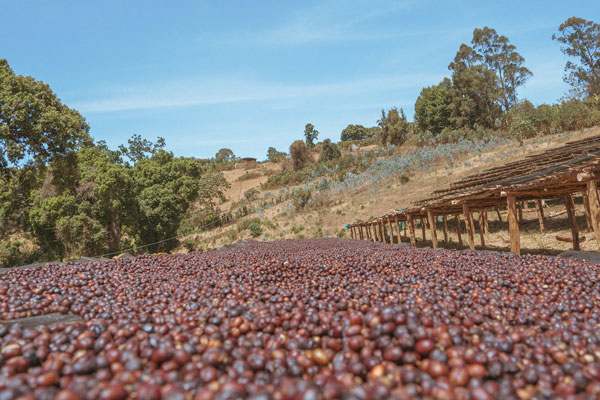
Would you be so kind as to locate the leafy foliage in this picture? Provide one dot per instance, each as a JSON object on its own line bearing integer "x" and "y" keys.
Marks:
{"x": 300, "y": 155}
{"x": 496, "y": 52}
{"x": 224, "y": 155}
{"x": 329, "y": 151}
{"x": 35, "y": 126}
{"x": 432, "y": 108}
{"x": 580, "y": 38}
{"x": 310, "y": 135}
{"x": 394, "y": 126}
{"x": 275, "y": 156}
{"x": 357, "y": 132}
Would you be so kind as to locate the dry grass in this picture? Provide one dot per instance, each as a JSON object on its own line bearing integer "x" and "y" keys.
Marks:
{"x": 351, "y": 207}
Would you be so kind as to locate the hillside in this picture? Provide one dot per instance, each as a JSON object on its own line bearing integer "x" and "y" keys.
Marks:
{"x": 281, "y": 222}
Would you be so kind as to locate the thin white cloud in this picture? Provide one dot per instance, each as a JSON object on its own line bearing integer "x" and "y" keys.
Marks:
{"x": 190, "y": 92}
{"x": 315, "y": 25}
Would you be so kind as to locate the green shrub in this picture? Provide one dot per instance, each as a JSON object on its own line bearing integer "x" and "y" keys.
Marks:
{"x": 13, "y": 254}
{"x": 244, "y": 224}
{"x": 341, "y": 233}
{"x": 297, "y": 228}
{"x": 255, "y": 229}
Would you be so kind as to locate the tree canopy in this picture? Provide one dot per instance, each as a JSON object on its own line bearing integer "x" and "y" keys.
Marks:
{"x": 496, "y": 52}
{"x": 35, "y": 127}
{"x": 224, "y": 155}
{"x": 394, "y": 126}
{"x": 433, "y": 107}
{"x": 580, "y": 39}
{"x": 300, "y": 155}
{"x": 329, "y": 151}
{"x": 274, "y": 155}
{"x": 310, "y": 135}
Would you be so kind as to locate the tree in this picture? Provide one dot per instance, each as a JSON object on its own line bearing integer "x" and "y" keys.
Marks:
{"x": 34, "y": 125}
{"x": 581, "y": 39}
{"x": 329, "y": 151}
{"x": 211, "y": 189}
{"x": 433, "y": 107}
{"x": 475, "y": 91}
{"x": 394, "y": 126}
{"x": 275, "y": 156}
{"x": 89, "y": 216}
{"x": 165, "y": 186}
{"x": 310, "y": 135}
{"x": 300, "y": 155}
{"x": 354, "y": 132}
{"x": 224, "y": 155}
{"x": 496, "y": 52}
{"x": 140, "y": 148}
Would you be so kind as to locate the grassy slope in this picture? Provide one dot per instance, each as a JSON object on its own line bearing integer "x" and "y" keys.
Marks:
{"x": 363, "y": 205}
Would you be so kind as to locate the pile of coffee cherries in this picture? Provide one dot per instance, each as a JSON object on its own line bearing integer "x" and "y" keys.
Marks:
{"x": 305, "y": 319}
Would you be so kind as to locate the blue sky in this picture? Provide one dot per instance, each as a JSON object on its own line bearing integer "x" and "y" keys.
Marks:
{"x": 250, "y": 74}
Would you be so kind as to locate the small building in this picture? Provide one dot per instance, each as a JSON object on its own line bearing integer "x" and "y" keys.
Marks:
{"x": 248, "y": 163}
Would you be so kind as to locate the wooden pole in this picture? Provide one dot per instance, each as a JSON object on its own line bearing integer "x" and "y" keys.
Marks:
{"x": 513, "y": 225}
{"x": 572, "y": 221}
{"x": 445, "y": 229}
{"x": 391, "y": 229}
{"x": 423, "y": 228}
{"x": 352, "y": 232}
{"x": 499, "y": 215}
{"x": 485, "y": 222}
{"x": 411, "y": 229}
{"x": 594, "y": 201}
{"x": 382, "y": 231}
{"x": 586, "y": 207}
{"x": 520, "y": 212}
{"x": 482, "y": 228}
{"x": 470, "y": 226}
{"x": 457, "y": 219}
{"x": 432, "y": 224}
{"x": 372, "y": 232}
{"x": 396, "y": 223}
{"x": 540, "y": 213}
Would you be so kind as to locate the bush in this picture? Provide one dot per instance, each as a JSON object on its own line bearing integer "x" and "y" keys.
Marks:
{"x": 14, "y": 253}
{"x": 301, "y": 197}
{"x": 300, "y": 155}
{"x": 297, "y": 228}
{"x": 341, "y": 233}
{"x": 255, "y": 229}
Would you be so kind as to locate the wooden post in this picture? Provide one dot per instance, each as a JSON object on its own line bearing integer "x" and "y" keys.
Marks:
{"x": 352, "y": 232}
{"x": 540, "y": 213}
{"x": 445, "y": 229}
{"x": 482, "y": 228}
{"x": 513, "y": 225}
{"x": 391, "y": 230}
{"x": 470, "y": 226}
{"x": 499, "y": 215}
{"x": 457, "y": 219}
{"x": 586, "y": 207}
{"x": 372, "y": 232}
{"x": 520, "y": 212}
{"x": 382, "y": 231}
{"x": 396, "y": 221}
{"x": 594, "y": 201}
{"x": 485, "y": 221}
{"x": 411, "y": 229}
{"x": 432, "y": 224}
{"x": 423, "y": 228}
{"x": 572, "y": 221}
